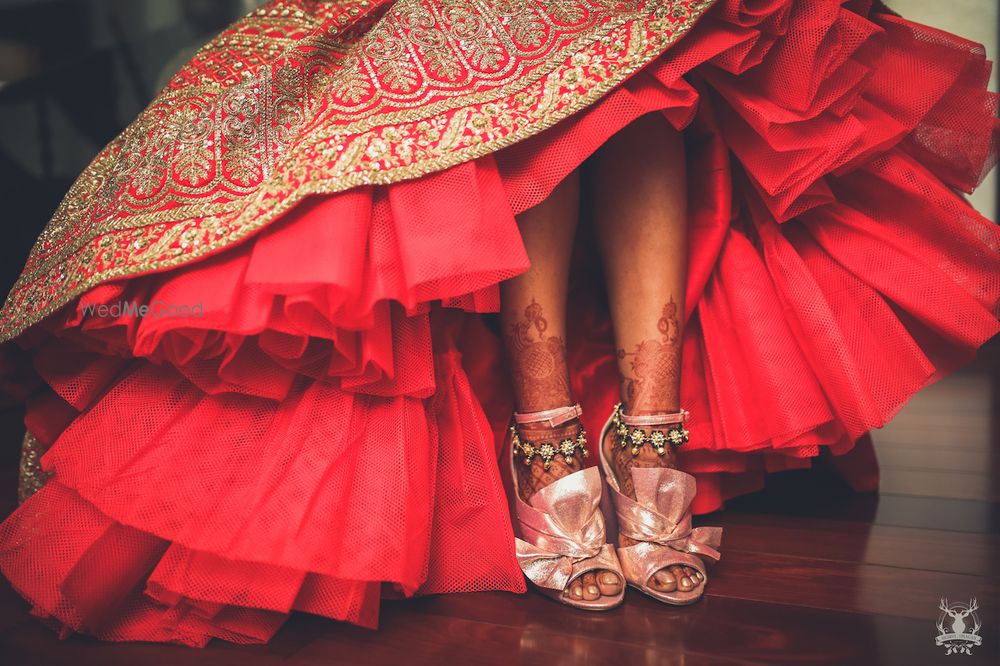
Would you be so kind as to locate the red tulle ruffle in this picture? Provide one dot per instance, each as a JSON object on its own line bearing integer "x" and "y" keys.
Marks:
{"x": 330, "y": 423}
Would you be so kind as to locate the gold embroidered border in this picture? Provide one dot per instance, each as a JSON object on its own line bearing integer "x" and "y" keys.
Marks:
{"x": 382, "y": 149}
{"x": 30, "y": 478}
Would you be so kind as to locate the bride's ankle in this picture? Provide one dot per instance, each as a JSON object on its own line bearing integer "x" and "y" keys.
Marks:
{"x": 546, "y": 446}
{"x": 548, "y": 434}
{"x": 648, "y": 432}
{"x": 531, "y": 441}
{"x": 646, "y": 438}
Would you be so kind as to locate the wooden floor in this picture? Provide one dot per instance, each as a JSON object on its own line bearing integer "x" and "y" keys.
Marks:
{"x": 812, "y": 573}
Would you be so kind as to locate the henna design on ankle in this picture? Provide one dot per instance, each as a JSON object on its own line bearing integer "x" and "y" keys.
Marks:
{"x": 538, "y": 362}
{"x": 541, "y": 381}
{"x": 654, "y": 384}
{"x": 653, "y": 387}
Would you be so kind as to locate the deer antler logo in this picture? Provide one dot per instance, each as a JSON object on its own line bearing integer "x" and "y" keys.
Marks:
{"x": 959, "y": 638}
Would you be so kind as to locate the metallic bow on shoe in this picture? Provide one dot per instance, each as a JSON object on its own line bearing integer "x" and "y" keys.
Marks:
{"x": 562, "y": 533}
{"x": 659, "y": 519}
{"x": 661, "y": 512}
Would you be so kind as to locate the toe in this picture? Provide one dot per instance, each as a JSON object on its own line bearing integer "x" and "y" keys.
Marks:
{"x": 686, "y": 578}
{"x": 609, "y": 583}
{"x": 664, "y": 580}
{"x": 576, "y": 590}
{"x": 680, "y": 573}
{"x": 590, "y": 590}
{"x": 693, "y": 575}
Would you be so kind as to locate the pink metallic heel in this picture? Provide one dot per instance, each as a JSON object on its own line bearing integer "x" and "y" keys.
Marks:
{"x": 659, "y": 519}
{"x": 560, "y": 532}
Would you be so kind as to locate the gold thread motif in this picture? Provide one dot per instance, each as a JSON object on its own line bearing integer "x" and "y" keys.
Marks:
{"x": 356, "y": 93}
{"x": 30, "y": 477}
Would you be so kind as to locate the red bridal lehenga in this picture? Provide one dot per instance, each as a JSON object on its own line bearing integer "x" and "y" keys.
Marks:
{"x": 333, "y": 185}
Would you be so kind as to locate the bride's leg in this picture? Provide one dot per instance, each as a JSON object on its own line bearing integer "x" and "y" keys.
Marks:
{"x": 533, "y": 317}
{"x": 641, "y": 221}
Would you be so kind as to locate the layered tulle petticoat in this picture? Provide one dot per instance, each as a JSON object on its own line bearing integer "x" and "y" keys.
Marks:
{"x": 322, "y": 428}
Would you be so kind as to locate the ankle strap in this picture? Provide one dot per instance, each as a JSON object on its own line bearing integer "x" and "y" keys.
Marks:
{"x": 554, "y": 417}
{"x": 653, "y": 419}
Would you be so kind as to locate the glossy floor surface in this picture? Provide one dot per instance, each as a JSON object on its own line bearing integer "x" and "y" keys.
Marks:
{"x": 812, "y": 573}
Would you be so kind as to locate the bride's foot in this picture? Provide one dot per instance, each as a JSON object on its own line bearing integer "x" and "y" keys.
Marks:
{"x": 677, "y": 577}
{"x": 534, "y": 476}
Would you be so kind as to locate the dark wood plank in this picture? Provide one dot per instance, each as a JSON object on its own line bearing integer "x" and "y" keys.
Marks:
{"x": 846, "y": 586}
{"x": 945, "y": 551}
{"x": 814, "y": 493}
{"x": 956, "y": 457}
{"x": 498, "y": 628}
{"x": 938, "y": 483}
{"x": 446, "y": 638}
{"x": 735, "y": 628}
{"x": 408, "y": 635}
{"x": 938, "y": 513}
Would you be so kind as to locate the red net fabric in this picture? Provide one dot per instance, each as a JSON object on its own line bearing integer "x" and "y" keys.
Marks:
{"x": 329, "y": 427}
{"x": 308, "y": 502}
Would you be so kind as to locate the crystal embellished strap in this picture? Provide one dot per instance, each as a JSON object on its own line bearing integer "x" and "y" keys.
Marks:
{"x": 654, "y": 419}
{"x": 547, "y": 449}
{"x": 658, "y": 438}
{"x": 554, "y": 417}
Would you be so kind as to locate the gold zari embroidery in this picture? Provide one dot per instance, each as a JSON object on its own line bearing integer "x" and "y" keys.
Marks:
{"x": 303, "y": 98}
{"x": 31, "y": 478}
